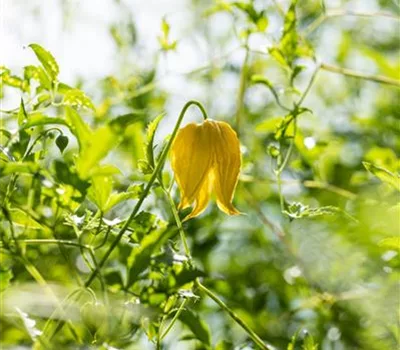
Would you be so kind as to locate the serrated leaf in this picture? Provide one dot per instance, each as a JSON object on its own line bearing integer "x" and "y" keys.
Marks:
{"x": 62, "y": 142}
{"x": 47, "y": 60}
{"x": 299, "y": 210}
{"x": 198, "y": 327}
{"x": 74, "y": 97}
{"x": 147, "y": 165}
{"x": 384, "y": 175}
{"x": 144, "y": 167}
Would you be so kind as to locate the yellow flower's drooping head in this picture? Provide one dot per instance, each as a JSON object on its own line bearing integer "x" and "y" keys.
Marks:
{"x": 206, "y": 158}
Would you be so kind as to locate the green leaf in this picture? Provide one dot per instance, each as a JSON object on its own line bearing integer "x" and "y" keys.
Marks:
{"x": 224, "y": 345}
{"x": 133, "y": 192}
{"x": 120, "y": 123}
{"x": 95, "y": 149}
{"x": 20, "y": 218}
{"x": 5, "y": 278}
{"x": 20, "y": 168}
{"x": 100, "y": 191}
{"x": 140, "y": 257}
{"x": 38, "y": 119}
{"x": 291, "y": 46}
{"x": 144, "y": 167}
{"x": 65, "y": 175}
{"x": 163, "y": 39}
{"x": 299, "y": 210}
{"x": 384, "y": 175}
{"x": 186, "y": 276}
{"x": 47, "y": 60}
{"x": 143, "y": 224}
{"x": 269, "y": 125}
{"x": 78, "y": 127}
{"x": 62, "y": 142}
{"x": 289, "y": 40}
{"x": 390, "y": 243}
{"x": 309, "y": 343}
{"x": 198, "y": 327}
{"x": 147, "y": 165}
{"x": 22, "y": 116}
{"x": 151, "y": 130}
{"x": 24, "y": 137}
{"x": 13, "y": 81}
{"x": 74, "y": 97}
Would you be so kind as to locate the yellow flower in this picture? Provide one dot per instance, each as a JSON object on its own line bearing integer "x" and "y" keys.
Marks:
{"x": 206, "y": 159}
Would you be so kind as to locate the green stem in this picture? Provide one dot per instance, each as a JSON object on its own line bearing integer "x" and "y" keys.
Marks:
{"x": 178, "y": 312}
{"x": 179, "y": 225}
{"x": 242, "y": 90}
{"x": 53, "y": 241}
{"x": 342, "y": 13}
{"x": 257, "y": 340}
{"x": 282, "y": 165}
{"x": 146, "y": 191}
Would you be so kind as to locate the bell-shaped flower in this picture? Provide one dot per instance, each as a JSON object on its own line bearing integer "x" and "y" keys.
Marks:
{"x": 206, "y": 158}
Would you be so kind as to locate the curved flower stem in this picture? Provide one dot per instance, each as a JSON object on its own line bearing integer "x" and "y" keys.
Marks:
{"x": 257, "y": 340}
{"x": 146, "y": 191}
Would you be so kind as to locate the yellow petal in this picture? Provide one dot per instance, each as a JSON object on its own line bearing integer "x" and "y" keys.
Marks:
{"x": 202, "y": 198}
{"x": 226, "y": 166}
{"x": 191, "y": 161}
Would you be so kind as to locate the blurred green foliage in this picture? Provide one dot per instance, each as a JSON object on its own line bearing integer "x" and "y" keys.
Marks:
{"x": 313, "y": 264}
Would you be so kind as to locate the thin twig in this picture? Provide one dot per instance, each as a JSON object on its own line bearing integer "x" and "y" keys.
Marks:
{"x": 343, "y": 13}
{"x": 352, "y": 73}
{"x": 242, "y": 90}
